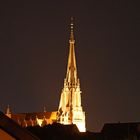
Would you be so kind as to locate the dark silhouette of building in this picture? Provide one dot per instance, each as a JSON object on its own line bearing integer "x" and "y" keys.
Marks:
{"x": 121, "y": 131}
{"x": 112, "y": 131}
{"x": 55, "y": 131}
{"x": 10, "y": 130}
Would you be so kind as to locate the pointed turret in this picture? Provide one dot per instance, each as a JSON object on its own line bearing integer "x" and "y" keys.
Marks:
{"x": 8, "y": 111}
{"x": 44, "y": 109}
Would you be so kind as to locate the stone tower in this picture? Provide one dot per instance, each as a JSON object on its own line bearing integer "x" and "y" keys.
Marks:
{"x": 70, "y": 110}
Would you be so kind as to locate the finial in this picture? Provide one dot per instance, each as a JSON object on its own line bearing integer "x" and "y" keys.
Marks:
{"x": 8, "y": 110}
{"x": 71, "y": 24}
{"x": 44, "y": 109}
{"x": 71, "y": 27}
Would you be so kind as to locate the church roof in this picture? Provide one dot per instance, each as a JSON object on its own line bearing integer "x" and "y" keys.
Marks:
{"x": 34, "y": 115}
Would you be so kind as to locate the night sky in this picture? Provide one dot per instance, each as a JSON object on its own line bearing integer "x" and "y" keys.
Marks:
{"x": 34, "y": 45}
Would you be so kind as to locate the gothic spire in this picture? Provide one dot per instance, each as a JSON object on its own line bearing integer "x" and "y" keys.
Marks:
{"x": 70, "y": 110}
{"x": 71, "y": 76}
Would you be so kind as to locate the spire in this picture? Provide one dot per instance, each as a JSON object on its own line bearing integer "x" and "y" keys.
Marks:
{"x": 71, "y": 76}
{"x": 70, "y": 110}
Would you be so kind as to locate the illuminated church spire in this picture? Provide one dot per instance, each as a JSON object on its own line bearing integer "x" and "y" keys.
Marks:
{"x": 70, "y": 110}
{"x": 71, "y": 77}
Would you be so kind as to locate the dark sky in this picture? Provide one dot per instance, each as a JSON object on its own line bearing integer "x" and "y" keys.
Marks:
{"x": 34, "y": 44}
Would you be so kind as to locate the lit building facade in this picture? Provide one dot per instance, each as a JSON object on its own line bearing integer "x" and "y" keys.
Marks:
{"x": 70, "y": 109}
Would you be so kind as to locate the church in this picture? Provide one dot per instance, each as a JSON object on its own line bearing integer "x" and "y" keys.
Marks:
{"x": 70, "y": 109}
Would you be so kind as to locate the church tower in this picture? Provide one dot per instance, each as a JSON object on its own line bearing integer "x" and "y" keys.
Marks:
{"x": 70, "y": 110}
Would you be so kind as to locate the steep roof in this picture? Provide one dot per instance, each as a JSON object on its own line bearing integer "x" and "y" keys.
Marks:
{"x": 121, "y": 129}
{"x": 55, "y": 131}
{"x": 14, "y": 130}
{"x": 33, "y": 115}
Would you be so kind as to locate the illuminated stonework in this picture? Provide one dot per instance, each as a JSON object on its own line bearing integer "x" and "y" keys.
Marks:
{"x": 32, "y": 119}
{"x": 70, "y": 110}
